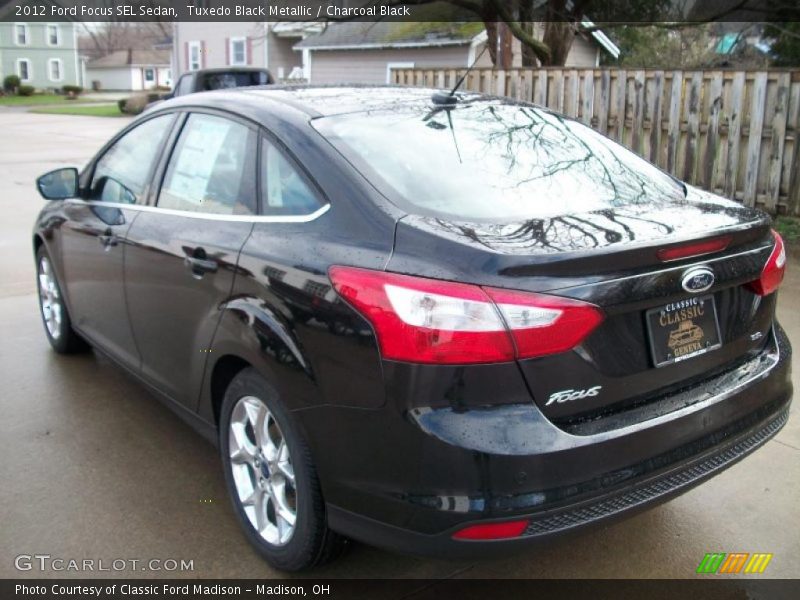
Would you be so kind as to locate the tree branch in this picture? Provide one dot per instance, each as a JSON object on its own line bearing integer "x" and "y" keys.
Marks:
{"x": 540, "y": 49}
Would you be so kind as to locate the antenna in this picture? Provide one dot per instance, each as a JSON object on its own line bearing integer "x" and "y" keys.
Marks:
{"x": 469, "y": 68}
{"x": 440, "y": 98}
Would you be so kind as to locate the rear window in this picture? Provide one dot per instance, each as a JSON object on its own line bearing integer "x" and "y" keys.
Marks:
{"x": 493, "y": 161}
{"x": 234, "y": 79}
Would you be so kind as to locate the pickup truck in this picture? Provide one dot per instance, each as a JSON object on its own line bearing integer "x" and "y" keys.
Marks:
{"x": 218, "y": 79}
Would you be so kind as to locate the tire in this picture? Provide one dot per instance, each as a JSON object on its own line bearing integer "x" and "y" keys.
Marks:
{"x": 55, "y": 316}
{"x": 271, "y": 479}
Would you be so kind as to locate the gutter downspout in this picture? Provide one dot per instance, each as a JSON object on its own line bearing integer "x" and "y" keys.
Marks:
{"x": 175, "y": 65}
{"x": 79, "y": 74}
{"x": 266, "y": 46}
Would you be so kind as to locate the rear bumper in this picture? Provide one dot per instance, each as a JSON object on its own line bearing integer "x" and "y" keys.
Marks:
{"x": 447, "y": 469}
{"x": 573, "y": 518}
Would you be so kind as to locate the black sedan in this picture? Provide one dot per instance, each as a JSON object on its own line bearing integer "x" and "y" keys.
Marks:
{"x": 444, "y": 325}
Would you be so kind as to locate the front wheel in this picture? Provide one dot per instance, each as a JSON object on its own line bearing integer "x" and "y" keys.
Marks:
{"x": 55, "y": 316}
{"x": 270, "y": 478}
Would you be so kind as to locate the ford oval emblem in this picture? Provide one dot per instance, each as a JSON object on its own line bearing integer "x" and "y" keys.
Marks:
{"x": 698, "y": 279}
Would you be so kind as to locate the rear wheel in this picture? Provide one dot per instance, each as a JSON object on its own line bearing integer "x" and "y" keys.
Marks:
{"x": 271, "y": 479}
{"x": 57, "y": 323}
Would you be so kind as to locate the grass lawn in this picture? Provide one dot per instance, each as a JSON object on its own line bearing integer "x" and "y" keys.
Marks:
{"x": 103, "y": 110}
{"x": 36, "y": 99}
{"x": 789, "y": 228}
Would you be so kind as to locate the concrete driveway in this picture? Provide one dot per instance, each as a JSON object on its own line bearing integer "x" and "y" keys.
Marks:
{"x": 93, "y": 466}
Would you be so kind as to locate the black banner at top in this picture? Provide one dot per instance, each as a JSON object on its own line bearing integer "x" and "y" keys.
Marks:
{"x": 598, "y": 11}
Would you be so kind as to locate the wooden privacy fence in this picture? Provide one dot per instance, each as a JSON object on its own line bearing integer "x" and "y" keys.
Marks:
{"x": 731, "y": 132}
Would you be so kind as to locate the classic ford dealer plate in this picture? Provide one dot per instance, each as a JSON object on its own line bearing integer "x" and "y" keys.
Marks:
{"x": 683, "y": 329}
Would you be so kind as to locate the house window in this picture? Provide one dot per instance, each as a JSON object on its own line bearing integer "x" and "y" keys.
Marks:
{"x": 238, "y": 51}
{"x": 53, "y": 35}
{"x": 55, "y": 69}
{"x": 24, "y": 69}
{"x": 21, "y": 34}
{"x": 149, "y": 75}
{"x": 194, "y": 56}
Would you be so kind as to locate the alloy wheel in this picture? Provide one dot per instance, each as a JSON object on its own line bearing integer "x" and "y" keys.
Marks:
{"x": 50, "y": 299}
{"x": 262, "y": 471}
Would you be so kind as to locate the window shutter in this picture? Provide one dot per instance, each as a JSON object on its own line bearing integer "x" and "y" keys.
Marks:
{"x": 186, "y": 55}
{"x": 227, "y": 51}
{"x": 249, "y": 51}
{"x": 203, "y": 54}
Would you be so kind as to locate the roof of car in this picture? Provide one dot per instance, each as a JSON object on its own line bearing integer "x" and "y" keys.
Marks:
{"x": 338, "y": 99}
{"x": 298, "y": 103}
{"x": 341, "y": 99}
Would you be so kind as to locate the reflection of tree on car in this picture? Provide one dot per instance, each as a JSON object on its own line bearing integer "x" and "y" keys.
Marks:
{"x": 686, "y": 333}
{"x": 309, "y": 296}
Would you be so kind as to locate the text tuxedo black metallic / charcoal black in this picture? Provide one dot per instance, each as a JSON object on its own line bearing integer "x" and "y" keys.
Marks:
{"x": 441, "y": 327}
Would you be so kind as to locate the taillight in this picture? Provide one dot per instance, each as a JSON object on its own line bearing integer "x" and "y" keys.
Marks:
{"x": 774, "y": 269}
{"x": 492, "y": 531}
{"x": 430, "y": 321}
{"x": 542, "y": 325}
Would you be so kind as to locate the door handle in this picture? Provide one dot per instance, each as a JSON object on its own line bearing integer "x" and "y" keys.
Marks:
{"x": 108, "y": 239}
{"x": 198, "y": 264}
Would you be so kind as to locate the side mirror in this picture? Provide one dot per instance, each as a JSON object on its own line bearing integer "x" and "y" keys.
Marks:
{"x": 59, "y": 184}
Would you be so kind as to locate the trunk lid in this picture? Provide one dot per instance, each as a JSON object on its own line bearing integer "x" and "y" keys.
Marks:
{"x": 610, "y": 258}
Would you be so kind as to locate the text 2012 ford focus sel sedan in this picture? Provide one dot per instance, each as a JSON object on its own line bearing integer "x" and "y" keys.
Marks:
{"x": 441, "y": 324}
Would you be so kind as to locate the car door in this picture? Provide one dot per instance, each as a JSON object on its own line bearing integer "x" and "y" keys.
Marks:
{"x": 182, "y": 254}
{"x": 93, "y": 235}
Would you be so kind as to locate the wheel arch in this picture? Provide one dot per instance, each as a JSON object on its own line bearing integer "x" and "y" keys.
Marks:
{"x": 38, "y": 242}
{"x": 251, "y": 335}
{"x": 222, "y": 373}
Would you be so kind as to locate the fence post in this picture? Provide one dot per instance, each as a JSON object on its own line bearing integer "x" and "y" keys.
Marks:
{"x": 605, "y": 94}
{"x": 711, "y": 159}
{"x": 754, "y": 138}
{"x": 622, "y": 90}
{"x": 637, "y": 127}
{"x": 656, "y": 117}
{"x": 587, "y": 105}
{"x": 674, "y": 132}
{"x": 693, "y": 128}
{"x": 777, "y": 141}
{"x": 541, "y": 88}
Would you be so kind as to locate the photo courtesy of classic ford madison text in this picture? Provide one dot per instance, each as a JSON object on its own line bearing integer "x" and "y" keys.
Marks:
{"x": 400, "y": 299}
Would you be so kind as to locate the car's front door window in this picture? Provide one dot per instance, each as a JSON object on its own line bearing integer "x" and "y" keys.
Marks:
{"x": 212, "y": 169}
{"x": 122, "y": 173}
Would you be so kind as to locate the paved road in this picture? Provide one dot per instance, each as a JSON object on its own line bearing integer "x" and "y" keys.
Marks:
{"x": 92, "y": 466}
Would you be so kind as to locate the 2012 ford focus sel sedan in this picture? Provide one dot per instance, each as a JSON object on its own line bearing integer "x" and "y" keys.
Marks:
{"x": 441, "y": 324}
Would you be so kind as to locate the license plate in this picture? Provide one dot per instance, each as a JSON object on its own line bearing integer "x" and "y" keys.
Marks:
{"x": 683, "y": 329}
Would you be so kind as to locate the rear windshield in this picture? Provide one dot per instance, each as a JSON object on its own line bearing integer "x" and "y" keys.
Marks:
{"x": 221, "y": 81}
{"x": 493, "y": 161}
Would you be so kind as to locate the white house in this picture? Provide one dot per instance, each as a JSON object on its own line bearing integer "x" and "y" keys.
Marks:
{"x": 350, "y": 51}
{"x": 130, "y": 70}
{"x": 365, "y": 52}
{"x": 206, "y": 45}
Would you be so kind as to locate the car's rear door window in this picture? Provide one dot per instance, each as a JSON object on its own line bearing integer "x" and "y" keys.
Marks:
{"x": 284, "y": 190}
{"x": 122, "y": 174}
{"x": 212, "y": 168}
